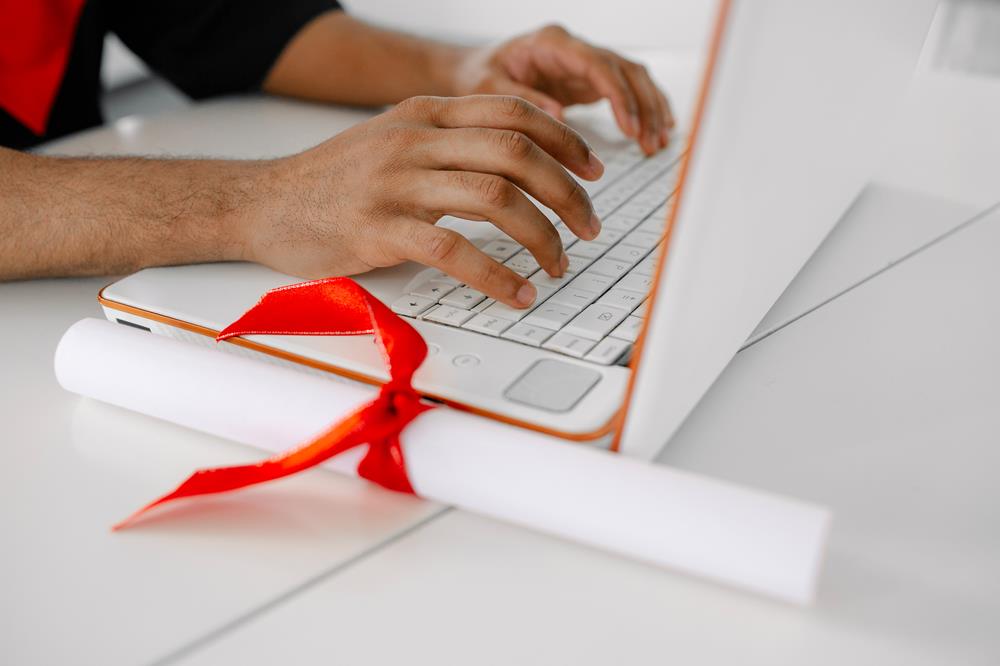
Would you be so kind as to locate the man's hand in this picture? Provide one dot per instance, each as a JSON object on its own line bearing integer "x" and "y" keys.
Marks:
{"x": 552, "y": 69}
{"x": 370, "y": 196}
{"x": 337, "y": 58}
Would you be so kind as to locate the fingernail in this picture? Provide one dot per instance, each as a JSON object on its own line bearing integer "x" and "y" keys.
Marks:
{"x": 526, "y": 294}
{"x": 633, "y": 125}
{"x": 664, "y": 137}
{"x": 563, "y": 263}
{"x": 595, "y": 225}
{"x": 654, "y": 141}
{"x": 595, "y": 165}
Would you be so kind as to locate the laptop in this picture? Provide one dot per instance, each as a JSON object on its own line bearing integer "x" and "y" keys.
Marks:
{"x": 698, "y": 242}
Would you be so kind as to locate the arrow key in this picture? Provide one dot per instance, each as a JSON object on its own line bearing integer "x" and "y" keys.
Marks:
{"x": 464, "y": 297}
{"x": 411, "y": 306}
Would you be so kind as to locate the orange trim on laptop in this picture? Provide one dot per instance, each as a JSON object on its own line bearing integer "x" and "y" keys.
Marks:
{"x": 606, "y": 429}
{"x": 699, "y": 114}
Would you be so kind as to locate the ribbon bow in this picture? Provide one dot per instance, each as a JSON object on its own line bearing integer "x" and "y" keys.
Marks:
{"x": 334, "y": 306}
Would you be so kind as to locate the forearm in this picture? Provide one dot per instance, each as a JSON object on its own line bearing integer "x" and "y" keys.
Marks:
{"x": 91, "y": 216}
{"x": 339, "y": 59}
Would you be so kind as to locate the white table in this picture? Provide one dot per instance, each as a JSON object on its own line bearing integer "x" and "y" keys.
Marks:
{"x": 873, "y": 391}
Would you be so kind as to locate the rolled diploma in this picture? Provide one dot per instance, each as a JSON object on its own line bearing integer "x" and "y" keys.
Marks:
{"x": 710, "y": 528}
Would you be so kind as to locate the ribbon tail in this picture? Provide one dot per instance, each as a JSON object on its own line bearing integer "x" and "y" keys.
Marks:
{"x": 345, "y": 435}
{"x": 334, "y": 306}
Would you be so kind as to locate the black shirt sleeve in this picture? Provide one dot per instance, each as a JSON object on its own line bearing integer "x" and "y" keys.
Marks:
{"x": 211, "y": 47}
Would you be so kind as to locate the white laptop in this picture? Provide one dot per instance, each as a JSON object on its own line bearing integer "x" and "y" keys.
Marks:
{"x": 696, "y": 245}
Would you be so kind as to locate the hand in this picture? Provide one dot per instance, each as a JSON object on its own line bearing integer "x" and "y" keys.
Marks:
{"x": 553, "y": 69}
{"x": 370, "y": 196}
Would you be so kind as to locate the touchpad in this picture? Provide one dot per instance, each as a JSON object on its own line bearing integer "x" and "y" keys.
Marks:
{"x": 552, "y": 385}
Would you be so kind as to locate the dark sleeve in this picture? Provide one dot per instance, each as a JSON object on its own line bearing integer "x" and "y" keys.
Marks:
{"x": 211, "y": 47}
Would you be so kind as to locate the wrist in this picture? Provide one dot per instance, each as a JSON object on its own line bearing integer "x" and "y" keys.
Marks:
{"x": 253, "y": 193}
{"x": 445, "y": 64}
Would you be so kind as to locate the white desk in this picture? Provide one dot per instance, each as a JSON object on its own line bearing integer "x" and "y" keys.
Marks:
{"x": 880, "y": 403}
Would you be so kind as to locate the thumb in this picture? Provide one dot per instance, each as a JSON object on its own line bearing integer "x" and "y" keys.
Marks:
{"x": 536, "y": 97}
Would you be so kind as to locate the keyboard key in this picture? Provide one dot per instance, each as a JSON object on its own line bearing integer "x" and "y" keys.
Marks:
{"x": 506, "y": 312}
{"x": 410, "y": 306}
{"x": 484, "y": 304}
{"x": 597, "y": 284}
{"x": 604, "y": 205}
{"x": 574, "y": 298}
{"x": 658, "y": 250}
{"x": 464, "y": 297}
{"x": 646, "y": 267}
{"x": 551, "y": 315}
{"x": 626, "y": 253}
{"x": 445, "y": 314}
{"x": 483, "y": 323}
{"x": 661, "y": 212}
{"x": 543, "y": 292}
{"x": 502, "y": 250}
{"x": 609, "y": 236}
{"x": 528, "y": 334}
{"x": 645, "y": 202}
{"x": 543, "y": 279}
{"x": 611, "y": 268}
{"x": 636, "y": 282}
{"x": 628, "y": 329}
{"x": 621, "y": 221}
{"x": 587, "y": 250}
{"x": 522, "y": 263}
{"x": 642, "y": 239}
{"x": 655, "y": 223}
{"x": 622, "y": 298}
{"x": 577, "y": 264}
{"x": 608, "y": 351}
{"x": 564, "y": 343}
{"x": 433, "y": 290}
{"x": 596, "y": 321}
{"x": 441, "y": 276}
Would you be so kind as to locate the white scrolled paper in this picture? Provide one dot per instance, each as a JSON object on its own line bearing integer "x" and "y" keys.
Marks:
{"x": 702, "y": 526}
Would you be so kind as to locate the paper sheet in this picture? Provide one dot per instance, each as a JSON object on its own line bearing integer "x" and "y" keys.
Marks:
{"x": 709, "y": 528}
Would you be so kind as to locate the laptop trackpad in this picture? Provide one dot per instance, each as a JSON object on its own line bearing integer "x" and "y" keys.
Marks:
{"x": 552, "y": 385}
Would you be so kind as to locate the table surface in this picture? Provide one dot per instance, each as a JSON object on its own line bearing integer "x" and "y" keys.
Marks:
{"x": 870, "y": 387}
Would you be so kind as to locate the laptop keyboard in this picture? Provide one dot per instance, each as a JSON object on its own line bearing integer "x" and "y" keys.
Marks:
{"x": 595, "y": 311}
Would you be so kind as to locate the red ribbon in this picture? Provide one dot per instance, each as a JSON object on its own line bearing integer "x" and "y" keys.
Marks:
{"x": 334, "y": 306}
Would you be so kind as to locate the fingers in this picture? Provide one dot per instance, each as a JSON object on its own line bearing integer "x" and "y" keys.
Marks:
{"x": 606, "y": 75}
{"x": 541, "y": 100}
{"x": 640, "y": 109}
{"x": 517, "y": 158}
{"x": 652, "y": 115}
{"x": 480, "y": 196}
{"x": 512, "y": 113}
{"x": 668, "y": 111}
{"x": 452, "y": 253}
